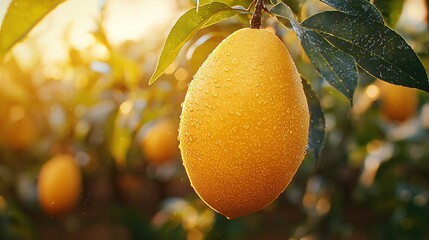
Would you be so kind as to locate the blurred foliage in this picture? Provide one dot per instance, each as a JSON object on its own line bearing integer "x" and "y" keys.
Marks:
{"x": 371, "y": 181}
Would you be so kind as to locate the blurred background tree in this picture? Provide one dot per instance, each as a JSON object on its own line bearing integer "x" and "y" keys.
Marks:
{"x": 77, "y": 85}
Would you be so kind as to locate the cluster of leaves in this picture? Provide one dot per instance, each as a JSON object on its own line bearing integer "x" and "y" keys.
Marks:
{"x": 337, "y": 43}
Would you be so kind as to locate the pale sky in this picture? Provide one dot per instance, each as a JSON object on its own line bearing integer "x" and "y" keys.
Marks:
{"x": 125, "y": 20}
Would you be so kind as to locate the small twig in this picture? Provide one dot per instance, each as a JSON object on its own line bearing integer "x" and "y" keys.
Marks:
{"x": 251, "y": 5}
{"x": 255, "y": 22}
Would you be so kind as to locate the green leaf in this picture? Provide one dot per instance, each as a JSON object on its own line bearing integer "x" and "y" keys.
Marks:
{"x": 377, "y": 49}
{"x": 360, "y": 8}
{"x": 121, "y": 139}
{"x": 317, "y": 131}
{"x": 282, "y": 12}
{"x": 391, "y": 10}
{"x": 20, "y": 18}
{"x": 231, "y": 3}
{"x": 125, "y": 123}
{"x": 219, "y": 17}
{"x": 335, "y": 66}
{"x": 186, "y": 27}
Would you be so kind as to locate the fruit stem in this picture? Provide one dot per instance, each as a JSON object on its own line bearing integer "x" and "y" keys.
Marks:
{"x": 255, "y": 22}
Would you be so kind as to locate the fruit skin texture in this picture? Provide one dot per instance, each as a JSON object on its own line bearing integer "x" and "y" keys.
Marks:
{"x": 244, "y": 124}
{"x": 160, "y": 143}
{"x": 398, "y": 103}
{"x": 59, "y": 184}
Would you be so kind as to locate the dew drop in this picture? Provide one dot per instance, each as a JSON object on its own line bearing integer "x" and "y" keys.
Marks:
{"x": 235, "y": 61}
{"x": 215, "y": 95}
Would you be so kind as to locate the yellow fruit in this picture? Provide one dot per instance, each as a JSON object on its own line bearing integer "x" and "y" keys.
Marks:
{"x": 59, "y": 184}
{"x": 160, "y": 143}
{"x": 244, "y": 124}
{"x": 397, "y": 103}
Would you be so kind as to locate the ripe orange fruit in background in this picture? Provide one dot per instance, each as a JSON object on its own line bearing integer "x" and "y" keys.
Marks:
{"x": 59, "y": 184}
{"x": 398, "y": 103}
{"x": 160, "y": 143}
{"x": 244, "y": 124}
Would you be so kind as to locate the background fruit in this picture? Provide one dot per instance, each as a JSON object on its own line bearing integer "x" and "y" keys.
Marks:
{"x": 397, "y": 103}
{"x": 244, "y": 123}
{"x": 59, "y": 184}
{"x": 160, "y": 143}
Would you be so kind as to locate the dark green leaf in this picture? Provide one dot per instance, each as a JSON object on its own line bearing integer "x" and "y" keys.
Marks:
{"x": 391, "y": 10}
{"x": 335, "y": 66}
{"x": 20, "y": 18}
{"x": 377, "y": 49}
{"x": 316, "y": 133}
{"x": 360, "y": 8}
{"x": 186, "y": 27}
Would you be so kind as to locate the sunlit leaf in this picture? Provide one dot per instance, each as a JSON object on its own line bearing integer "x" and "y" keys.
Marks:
{"x": 219, "y": 17}
{"x": 360, "y": 8}
{"x": 335, "y": 66}
{"x": 283, "y": 11}
{"x": 122, "y": 133}
{"x": 377, "y": 49}
{"x": 317, "y": 131}
{"x": 121, "y": 141}
{"x": 186, "y": 27}
{"x": 231, "y": 3}
{"x": 11, "y": 79}
{"x": 391, "y": 10}
{"x": 20, "y": 18}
